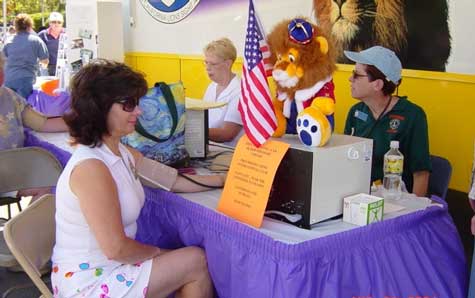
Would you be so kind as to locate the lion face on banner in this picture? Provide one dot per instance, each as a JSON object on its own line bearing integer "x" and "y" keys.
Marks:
{"x": 416, "y": 30}
{"x": 299, "y": 65}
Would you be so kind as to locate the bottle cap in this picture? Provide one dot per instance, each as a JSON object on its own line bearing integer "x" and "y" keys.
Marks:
{"x": 394, "y": 144}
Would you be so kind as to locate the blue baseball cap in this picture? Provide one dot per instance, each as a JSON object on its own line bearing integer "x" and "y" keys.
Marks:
{"x": 383, "y": 59}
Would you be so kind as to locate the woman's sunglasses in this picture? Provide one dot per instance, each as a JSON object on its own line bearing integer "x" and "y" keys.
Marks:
{"x": 128, "y": 104}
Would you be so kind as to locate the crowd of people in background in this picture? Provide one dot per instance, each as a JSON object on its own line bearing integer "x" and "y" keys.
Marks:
{"x": 27, "y": 52}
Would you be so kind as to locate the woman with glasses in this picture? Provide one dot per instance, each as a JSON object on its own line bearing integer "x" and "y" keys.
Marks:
{"x": 225, "y": 124}
{"x": 384, "y": 117}
{"x": 99, "y": 198}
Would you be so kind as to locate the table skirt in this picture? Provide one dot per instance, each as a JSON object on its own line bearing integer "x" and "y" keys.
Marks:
{"x": 415, "y": 255}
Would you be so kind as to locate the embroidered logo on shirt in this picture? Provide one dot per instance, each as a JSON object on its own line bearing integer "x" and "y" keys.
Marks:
{"x": 394, "y": 123}
{"x": 392, "y": 116}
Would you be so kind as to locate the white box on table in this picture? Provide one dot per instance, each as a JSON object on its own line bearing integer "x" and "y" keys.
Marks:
{"x": 363, "y": 209}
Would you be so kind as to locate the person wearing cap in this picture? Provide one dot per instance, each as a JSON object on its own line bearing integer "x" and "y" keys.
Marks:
{"x": 50, "y": 37}
{"x": 384, "y": 117}
{"x": 23, "y": 51}
{"x": 225, "y": 124}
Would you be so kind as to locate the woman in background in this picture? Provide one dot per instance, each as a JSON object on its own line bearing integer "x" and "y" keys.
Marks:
{"x": 225, "y": 124}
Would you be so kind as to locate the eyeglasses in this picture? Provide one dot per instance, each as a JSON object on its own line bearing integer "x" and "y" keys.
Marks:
{"x": 56, "y": 22}
{"x": 128, "y": 104}
{"x": 356, "y": 75}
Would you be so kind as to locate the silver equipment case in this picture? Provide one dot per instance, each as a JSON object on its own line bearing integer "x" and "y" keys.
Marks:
{"x": 310, "y": 183}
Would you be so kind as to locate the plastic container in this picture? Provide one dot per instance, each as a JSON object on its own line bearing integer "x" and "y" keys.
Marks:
{"x": 393, "y": 167}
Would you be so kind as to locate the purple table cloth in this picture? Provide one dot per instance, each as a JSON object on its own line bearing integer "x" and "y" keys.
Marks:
{"x": 50, "y": 105}
{"x": 415, "y": 255}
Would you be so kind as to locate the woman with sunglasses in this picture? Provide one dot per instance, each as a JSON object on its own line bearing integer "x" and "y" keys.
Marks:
{"x": 99, "y": 198}
{"x": 225, "y": 124}
{"x": 384, "y": 117}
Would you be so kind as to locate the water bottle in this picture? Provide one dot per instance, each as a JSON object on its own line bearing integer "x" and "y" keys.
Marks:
{"x": 393, "y": 166}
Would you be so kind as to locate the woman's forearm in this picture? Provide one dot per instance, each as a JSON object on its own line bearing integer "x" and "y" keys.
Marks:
{"x": 131, "y": 251}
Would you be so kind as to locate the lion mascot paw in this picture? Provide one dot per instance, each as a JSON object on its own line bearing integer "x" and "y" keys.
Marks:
{"x": 313, "y": 127}
{"x": 304, "y": 62}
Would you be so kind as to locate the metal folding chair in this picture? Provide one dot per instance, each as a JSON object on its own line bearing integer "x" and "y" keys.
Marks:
{"x": 23, "y": 168}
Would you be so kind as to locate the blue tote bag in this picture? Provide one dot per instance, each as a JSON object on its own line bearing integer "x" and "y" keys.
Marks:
{"x": 160, "y": 130}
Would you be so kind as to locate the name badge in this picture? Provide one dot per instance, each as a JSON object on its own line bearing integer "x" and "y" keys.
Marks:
{"x": 361, "y": 115}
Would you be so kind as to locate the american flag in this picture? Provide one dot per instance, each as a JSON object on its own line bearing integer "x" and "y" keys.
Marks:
{"x": 255, "y": 104}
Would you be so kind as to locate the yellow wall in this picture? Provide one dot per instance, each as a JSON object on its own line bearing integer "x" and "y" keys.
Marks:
{"x": 447, "y": 98}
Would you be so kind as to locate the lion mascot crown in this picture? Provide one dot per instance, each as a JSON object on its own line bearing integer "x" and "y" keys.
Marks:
{"x": 304, "y": 61}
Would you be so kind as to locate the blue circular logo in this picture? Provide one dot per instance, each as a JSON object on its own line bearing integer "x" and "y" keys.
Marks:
{"x": 169, "y": 11}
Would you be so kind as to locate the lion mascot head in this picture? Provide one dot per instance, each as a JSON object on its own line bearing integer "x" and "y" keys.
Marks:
{"x": 304, "y": 62}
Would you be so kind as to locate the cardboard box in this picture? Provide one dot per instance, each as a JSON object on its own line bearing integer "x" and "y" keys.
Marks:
{"x": 363, "y": 209}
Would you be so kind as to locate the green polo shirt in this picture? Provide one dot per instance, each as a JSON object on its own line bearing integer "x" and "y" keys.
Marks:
{"x": 406, "y": 123}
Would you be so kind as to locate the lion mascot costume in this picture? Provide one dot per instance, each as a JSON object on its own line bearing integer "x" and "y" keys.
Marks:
{"x": 304, "y": 61}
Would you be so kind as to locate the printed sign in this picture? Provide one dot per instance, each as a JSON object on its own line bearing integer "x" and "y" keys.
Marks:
{"x": 250, "y": 179}
{"x": 169, "y": 11}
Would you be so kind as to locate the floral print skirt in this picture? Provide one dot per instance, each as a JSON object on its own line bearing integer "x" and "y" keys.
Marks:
{"x": 90, "y": 279}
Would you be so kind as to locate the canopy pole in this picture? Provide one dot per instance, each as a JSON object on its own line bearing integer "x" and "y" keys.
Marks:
{"x": 4, "y": 19}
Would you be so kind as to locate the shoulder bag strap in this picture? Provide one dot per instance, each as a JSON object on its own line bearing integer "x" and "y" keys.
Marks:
{"x": 168, "y": 95}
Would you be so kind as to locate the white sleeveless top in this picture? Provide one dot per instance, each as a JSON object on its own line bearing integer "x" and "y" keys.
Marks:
{"x": 80, "y": 268}
{"x": 74, "y": 238}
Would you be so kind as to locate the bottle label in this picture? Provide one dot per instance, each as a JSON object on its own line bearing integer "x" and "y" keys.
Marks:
{"x": 393, "y": 164}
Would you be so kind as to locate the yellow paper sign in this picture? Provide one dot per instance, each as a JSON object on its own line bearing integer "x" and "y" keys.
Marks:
{"x": 249, "y": 180}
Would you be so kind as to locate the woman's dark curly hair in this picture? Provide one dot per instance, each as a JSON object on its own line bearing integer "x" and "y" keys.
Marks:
{"x": 94, "y": 88}
{"x": 23, "y": 22}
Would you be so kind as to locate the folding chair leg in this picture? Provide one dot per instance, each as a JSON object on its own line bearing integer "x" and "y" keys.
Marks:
{"x": 19, "y": 206}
